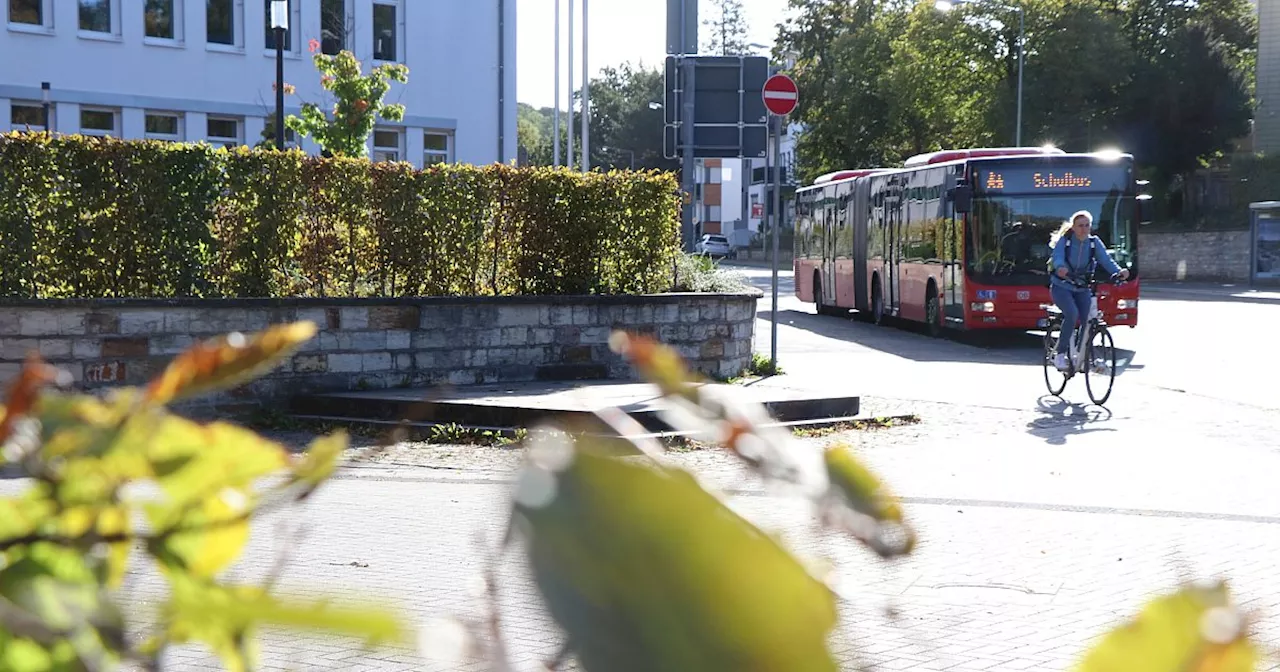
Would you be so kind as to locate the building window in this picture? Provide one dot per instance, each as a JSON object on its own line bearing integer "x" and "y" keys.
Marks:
{"x": 223, "y": 22}
{"x": 31, "y": 13}
{"x": 26, "y": 116}
{"x": 99, "y": 122}
{"x": 385, "y": 31}
{"x": 713, "y": 176}
{"x": 295, "y": 18}
{"x": 713, "y": 213}
{"x": 438, "y": 148}
{"x": 163, "y": 19}
{"x": 333, "y": 26}
{"x": 225, "y": 131}
{"x": 100, "y": 16}
{"x": 388, "y": 145}
{"x": 164, "y": 126}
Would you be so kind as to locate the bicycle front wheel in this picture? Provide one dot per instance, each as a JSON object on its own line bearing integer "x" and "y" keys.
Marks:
{"x": 1054, "y": 379}
{"x": 1100, "y": 366}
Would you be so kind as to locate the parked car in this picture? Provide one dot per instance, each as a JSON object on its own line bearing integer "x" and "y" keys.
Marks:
{"x": 713, "y": 245}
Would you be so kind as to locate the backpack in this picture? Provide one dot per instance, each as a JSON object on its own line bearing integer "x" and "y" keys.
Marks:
{"x": 1067, "y": 254}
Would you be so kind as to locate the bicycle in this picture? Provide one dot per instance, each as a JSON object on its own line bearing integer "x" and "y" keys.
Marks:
{"x": 1101, "y": 356}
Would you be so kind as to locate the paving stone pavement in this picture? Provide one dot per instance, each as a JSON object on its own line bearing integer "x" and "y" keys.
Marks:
{"x": 1039, "y": 530}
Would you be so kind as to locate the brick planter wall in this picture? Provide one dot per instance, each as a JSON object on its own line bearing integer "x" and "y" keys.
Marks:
{"x": 1194, "y": 256}
{"x": 381, "y": 343}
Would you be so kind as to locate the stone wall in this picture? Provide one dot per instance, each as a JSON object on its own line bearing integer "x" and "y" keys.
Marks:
{"x": 381, "y": 343}
{"x": 1194, "y": 256}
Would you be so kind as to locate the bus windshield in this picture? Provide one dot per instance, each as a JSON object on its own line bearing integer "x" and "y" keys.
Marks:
{"x": 1009, "y": 235}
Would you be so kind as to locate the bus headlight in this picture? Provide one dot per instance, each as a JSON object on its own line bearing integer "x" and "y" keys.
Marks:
{"x": 983, "y": 307}
{"x": 1126, "y": 304}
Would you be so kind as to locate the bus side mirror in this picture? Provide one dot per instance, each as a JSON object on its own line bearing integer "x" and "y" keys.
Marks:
{"x": 962, "y": 197}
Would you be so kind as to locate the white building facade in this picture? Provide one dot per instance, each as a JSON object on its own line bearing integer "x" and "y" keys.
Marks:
{"x": 193, "y": 70}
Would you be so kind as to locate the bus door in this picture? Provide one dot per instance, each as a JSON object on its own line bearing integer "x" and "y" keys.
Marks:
{"x": 829, "y": 252}
{"x": 893, "y": 251}
{"x": 857, "y": 219}
{"x": 952, "y": 254}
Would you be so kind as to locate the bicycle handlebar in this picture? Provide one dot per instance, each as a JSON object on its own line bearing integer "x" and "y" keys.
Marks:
{"x": 1092, "y": 282}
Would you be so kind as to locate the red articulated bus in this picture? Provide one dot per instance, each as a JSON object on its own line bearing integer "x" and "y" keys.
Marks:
{"x": 960, "y": 239}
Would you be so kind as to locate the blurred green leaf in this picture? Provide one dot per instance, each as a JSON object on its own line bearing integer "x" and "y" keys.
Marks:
{"x": 645, "y": 570}
{"x": 1193, "y": 628}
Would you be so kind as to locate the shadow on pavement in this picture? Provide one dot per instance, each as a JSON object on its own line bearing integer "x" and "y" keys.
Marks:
{"x": 909, "y": 341}
{"x": 1063, "y": 419}
{"x": 894, "y": 340}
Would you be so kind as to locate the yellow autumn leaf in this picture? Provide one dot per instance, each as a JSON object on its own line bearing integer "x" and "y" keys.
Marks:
{"x": 205, "y": 538}
{"x": 23, "y": 515}
{"x": 1193, "y": 629}
{"x": 219, "y": 615}
{"x": 192, "y": 461}
{"x": 227, "y": 361}
{"x": 114, "y": 522}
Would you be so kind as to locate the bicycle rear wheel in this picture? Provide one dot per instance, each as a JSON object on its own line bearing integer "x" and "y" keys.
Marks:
{"x": 1100, "y": 366}
{"x": 1054, "y": 379}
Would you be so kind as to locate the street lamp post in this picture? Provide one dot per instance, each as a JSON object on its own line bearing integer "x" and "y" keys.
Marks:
{"x": 280, "y": 23}
{"x": 946, "y": 5}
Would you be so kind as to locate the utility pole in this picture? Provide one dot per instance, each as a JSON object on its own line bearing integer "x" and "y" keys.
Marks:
{"x": 555, "y": 113}
{"x": 586, "y": 95}
{"x": 568, "y": 158}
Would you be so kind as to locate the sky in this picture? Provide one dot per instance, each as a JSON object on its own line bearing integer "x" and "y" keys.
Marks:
{"x": 621, "y": 31}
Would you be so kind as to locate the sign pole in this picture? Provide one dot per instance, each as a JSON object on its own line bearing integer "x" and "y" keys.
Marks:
{"x": 777, "y": 221}
{"x": 780, "y": 97}
{"x": 687, "y": 166}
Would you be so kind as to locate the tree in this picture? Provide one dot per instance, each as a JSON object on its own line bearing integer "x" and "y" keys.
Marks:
{"x": 1072, "y": 85}
{"x": 727, "y": 31}
{"x": 842, "y": 48}
{"x": 533, "y": 130}
{"x": 359, "y": 103}
{"x": 941, "y": 80}
{"x": 622, "y": 121}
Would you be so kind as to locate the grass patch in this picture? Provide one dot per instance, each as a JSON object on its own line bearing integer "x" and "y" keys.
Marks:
{"x": 271, "y": 419}
{"x": 761, "y": 366}
{"x": 856, "y": 426}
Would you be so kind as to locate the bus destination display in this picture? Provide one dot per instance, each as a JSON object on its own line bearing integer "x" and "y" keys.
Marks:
{"x": 1052, "y": 180}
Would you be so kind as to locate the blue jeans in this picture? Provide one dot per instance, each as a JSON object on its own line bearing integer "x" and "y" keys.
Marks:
{"x": 1074, "y": 304}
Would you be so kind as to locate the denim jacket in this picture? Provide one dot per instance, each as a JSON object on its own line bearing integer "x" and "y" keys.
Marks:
{"x": 1079, "y": 266}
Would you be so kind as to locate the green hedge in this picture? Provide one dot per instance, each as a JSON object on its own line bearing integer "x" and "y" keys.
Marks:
{"x": 88, "y": 217}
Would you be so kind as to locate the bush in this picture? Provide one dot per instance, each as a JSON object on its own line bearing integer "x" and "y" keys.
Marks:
{"x": 698, "y": 273}
{"x": 88, "y": 217}
{"x": 108, "y": 476}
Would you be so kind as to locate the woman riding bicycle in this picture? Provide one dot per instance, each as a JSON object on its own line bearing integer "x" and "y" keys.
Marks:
{"x": 1074, "y": 257}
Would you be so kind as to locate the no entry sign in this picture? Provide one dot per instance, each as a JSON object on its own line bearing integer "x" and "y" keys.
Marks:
{"x": 780, "y": 95}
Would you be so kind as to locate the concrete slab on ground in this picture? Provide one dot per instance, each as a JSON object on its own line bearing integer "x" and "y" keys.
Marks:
{"x": 518, "y": 405}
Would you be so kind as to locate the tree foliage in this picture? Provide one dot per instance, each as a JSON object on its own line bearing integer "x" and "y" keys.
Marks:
{"x": 623, "y": 124}
{"x": 111, "y": 474}
{"x": 883, "y": 79}
{"x": 359, "y": 102}
{"x": 727, "y": 30}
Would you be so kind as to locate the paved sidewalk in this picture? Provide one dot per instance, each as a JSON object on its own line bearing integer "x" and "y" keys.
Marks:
{"x": 1038, "y": 532}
